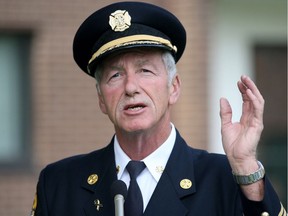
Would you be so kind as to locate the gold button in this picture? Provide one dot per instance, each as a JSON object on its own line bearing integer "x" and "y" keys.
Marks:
{"x": 265, "y": 214}
{"x": 185, "y": 184}
{"x": 92, "y": 179}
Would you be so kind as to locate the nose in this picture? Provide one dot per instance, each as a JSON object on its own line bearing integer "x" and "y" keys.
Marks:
{"x": 131, "y": 85}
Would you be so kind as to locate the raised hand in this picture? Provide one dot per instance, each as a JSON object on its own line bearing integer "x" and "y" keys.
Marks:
{"x": 240, "y": 139}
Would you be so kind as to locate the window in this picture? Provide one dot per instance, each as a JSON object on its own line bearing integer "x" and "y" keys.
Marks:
{"x": 271, "y": 76}
{"x": 14, "y": 98}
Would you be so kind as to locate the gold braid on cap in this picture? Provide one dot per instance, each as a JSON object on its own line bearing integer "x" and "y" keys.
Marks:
{"x": 131, "y": 40}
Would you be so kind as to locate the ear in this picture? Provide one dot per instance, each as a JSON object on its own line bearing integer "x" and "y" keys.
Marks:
{"x": 175, "y": 89}
{"x": 101, "y": 100}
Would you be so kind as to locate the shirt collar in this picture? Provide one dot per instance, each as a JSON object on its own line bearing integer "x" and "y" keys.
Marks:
{"x": 155, "y": 162}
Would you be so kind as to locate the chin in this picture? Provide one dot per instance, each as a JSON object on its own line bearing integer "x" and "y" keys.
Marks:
{"x": 136, "y": 128}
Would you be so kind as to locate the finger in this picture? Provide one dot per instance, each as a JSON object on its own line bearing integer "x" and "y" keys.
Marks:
{"x": 257, "y": 105}
{"x": 247, "y": 83}
{"x": 253, "y": 102}
{"x": 252, "y": 110}
{"x": 225, "y": 112}
{"x": 250, "y": 94}
{"x": 243, "y": 90}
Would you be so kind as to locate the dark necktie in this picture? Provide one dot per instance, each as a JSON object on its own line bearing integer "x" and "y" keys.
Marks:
{"x": 134, "y": 202}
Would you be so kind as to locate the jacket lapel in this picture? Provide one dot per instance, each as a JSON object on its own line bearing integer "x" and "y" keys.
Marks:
{"x": 176, "y": 182}
{"x": 100, "y": 202}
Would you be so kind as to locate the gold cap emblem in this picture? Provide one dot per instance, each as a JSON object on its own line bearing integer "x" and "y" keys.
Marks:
{"x": 92, "y": 179}
{"x": 185, "y": 184}
{"x": 120, "y": 20}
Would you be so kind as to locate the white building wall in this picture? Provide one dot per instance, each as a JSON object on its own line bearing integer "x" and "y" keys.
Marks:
{"x": 236, "y": 27}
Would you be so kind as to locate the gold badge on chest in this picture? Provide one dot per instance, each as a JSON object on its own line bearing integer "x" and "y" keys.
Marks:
{"x": 185, "y": 183}
{"x": 92, "y": 179}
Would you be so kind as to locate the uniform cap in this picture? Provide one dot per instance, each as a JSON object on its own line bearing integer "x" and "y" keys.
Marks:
{"x": 126, "y": 25}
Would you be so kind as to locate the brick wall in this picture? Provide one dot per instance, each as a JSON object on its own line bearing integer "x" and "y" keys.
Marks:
{"x": 66, "y": 118}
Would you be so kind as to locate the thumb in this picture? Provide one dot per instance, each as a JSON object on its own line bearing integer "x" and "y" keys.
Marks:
{"x": 225, "y": 112}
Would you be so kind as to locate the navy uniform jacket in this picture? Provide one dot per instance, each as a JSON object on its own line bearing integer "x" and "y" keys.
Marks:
{"x": 63, "y": 188}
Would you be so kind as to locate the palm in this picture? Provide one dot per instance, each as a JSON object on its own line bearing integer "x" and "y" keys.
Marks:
{"x": 240, "y": 139}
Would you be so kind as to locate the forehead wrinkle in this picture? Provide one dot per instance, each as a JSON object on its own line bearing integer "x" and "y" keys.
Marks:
{"x": 141, "y": 62}
{"x": 145, "y": 62}
{"x": 114, "y": 65}
{"x": 119, "y": 60}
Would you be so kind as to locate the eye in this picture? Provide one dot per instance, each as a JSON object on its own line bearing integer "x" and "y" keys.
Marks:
{"x": 143, "y": 70}
{"x": 114, "y": 75}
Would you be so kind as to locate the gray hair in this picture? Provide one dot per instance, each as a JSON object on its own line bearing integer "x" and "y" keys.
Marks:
{"x": 167, "y": 59}
{"x": 170, "y": 65}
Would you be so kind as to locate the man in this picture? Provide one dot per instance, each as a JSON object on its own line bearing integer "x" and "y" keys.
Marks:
{"x": 131, "y": 49}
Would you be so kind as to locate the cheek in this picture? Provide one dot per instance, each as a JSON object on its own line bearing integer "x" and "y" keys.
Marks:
{"x": 161, "y": 98}
{"x": 108, "y": 101}
{"x": 102, "y": 104}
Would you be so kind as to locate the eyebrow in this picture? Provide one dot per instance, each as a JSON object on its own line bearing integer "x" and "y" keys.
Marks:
{"x": 109, "y": 68}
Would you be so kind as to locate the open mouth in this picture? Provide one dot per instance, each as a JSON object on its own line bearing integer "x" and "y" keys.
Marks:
{"x": 135, "y": 107}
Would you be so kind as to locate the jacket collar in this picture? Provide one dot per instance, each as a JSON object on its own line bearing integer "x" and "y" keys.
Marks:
{"x": 176, "y": 182}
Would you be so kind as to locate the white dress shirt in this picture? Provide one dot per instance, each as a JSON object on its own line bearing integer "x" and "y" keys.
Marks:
{"x": 155, "y": 165}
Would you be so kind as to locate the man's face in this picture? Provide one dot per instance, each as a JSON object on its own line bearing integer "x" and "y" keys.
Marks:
{"x": 134, "y": 91}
